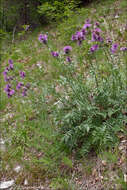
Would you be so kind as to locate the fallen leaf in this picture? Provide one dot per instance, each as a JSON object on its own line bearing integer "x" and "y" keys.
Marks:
{"x": 94, "y": 172}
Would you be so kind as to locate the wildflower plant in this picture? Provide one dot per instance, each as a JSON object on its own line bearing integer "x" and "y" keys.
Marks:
{"x": 89, "y": 111}
{"x": 14, "y": 81}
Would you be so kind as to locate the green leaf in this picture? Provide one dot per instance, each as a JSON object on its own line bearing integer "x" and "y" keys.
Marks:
{"x": 67, "y": 162}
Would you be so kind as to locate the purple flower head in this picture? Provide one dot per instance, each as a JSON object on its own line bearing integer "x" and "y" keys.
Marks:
{"x": 40, "y": 37}
{"x": 94, "y": 48}
{"x": 80, "y": 36}
{"x": 10, "y": 61}
{"x": 24, "y": 93}
{"x": 8, "y": 94}
{"x": 67, "y": 49}
{"x": 96, "y": 37}
{"x": 6, "y": 78}
{"x": 97, "y": 30}
{"x": 7, "y": 88}
{"x": 11, "y": 66}
{"x": 55, "y": 54}
{"x": 83, "y": 31}
{"x": 100, "y": 39}
{"x": 123, "y": 49}
{"x": 114, "y": 48}
{"x": 7, "y": 69}
{"x": 88, "y": 21}
{"x": 5, "y": 72}
{"x": 22, "y": 74}
{"x": 19, "y": 85}
{"x": 73, "y": 38}
{"x": 109, "y": 41}
{"x": 87, "y": 25}
{"x": 68, "y": 59}
{"x": 97, "y": 23}
{"x": 43, "y": 38}
{"x": 11, "y": 92}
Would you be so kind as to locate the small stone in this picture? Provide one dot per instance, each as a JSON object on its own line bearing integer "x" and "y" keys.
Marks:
{"x": 104, "y": 162}
{"x": 121, "y": 147}
{"x": 116, "y": 16}
{"x": 42, "y": 187}
{"x": 125, "y": 178}
{"x": 17, "y": 169}
{"x": 2, "y": 145}
{"x": 102, "y": 177}
{"x": 6, "y": 184}
{"x": 96, "y": 179}
{"x": 26, "y": 182}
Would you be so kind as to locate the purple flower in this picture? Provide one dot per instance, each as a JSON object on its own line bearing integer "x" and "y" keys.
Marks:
{"x": 97, "y": 23}
{"x": 80, "y": 36}
{"x": 19, "y": 85}
{"x": 96, "y": 37}
{"x": 88, "y": 21}
{"x": 67, "y": 49}
{"x": 11, "y": 66}
{"x": 100, "y": 39}
{"x": 109, "y": 41}
{"x": 10, "y": 61}
{"x": 8, "y": 94}
{"x": 22, "y": 74}
{"x": 68, "y": 59}
{"x": 123, "y": 48}
{"x": 24, "y": 93}
{"x": 87, "y": 25}
{"x": 5, "y": 72}
{"x": 6, "y": 78}
{"x": 73, "y": 38}
{"x": 7, "y": 88}
{"x": 114, "y": 48}
{"x": 94, "y": 48}
{"x": 43, "y": 38}
{"x": 83, "y": 30}
{"x": 11, "y": 92}
{"x": 98, "y": 30}
{"x": 55, "y": 54}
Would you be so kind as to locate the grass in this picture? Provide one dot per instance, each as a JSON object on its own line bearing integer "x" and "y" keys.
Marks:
{"x": 32, "y": 138}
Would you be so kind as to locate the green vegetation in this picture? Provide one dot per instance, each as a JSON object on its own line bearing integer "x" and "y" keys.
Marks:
{"x": 73, "y": 108}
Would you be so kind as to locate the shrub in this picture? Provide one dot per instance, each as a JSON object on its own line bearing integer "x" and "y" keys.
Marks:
{"x": 56, "y": 10}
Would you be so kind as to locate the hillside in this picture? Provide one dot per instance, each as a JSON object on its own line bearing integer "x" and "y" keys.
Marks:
{"x": 63, "y": 108}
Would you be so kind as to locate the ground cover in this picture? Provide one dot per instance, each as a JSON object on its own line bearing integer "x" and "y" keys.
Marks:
{"x": 83, "y": 97}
